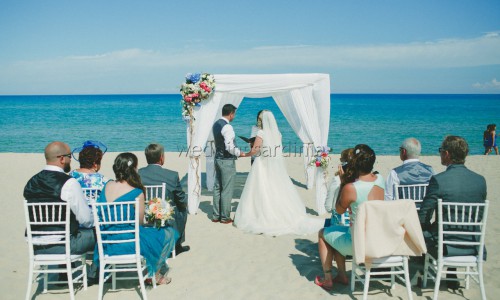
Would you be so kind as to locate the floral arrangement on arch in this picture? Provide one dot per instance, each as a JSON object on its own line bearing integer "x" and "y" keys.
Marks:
{"x": 198, "y": 87}
{"x": 156, "y": 214}
{"x": 321, "y": 159}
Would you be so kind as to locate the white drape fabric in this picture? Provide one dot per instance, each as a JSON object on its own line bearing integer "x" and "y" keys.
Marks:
{"x": 304, "y": 100}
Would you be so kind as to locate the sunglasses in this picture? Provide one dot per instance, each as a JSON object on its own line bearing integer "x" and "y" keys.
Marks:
{"x": 64, "y": 155}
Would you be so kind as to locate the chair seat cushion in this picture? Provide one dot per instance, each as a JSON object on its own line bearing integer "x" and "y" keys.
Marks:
{"x": 460, "y": 259}
{"x": 53, "y": 257}
{"x": 126, "y": 258}
{"x": 387, "y": 259}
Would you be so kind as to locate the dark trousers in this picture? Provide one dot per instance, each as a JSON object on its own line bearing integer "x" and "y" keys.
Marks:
{"x": 225, "y": 173}
{"x": 83, "y": 242}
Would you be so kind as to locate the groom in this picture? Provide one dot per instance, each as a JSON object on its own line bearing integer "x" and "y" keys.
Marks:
{"x": 226, "y": 153}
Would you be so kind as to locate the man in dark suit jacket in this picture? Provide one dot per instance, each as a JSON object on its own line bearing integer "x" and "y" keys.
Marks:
{"x": 154, "y": 174}
{"x": 456, "y": 184}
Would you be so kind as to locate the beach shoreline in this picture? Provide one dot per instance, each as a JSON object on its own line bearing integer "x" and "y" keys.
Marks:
{"x": 224, "y": 262}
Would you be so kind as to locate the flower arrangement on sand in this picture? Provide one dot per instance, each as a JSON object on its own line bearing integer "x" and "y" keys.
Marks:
{"x": 158, "y": 213}
{"x": 198, "y": 87}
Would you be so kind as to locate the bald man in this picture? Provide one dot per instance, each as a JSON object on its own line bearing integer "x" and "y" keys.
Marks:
{"x": 52, "y": 184}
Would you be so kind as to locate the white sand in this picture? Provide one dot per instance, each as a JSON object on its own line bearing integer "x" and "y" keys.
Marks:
{"x": 225, "y": 263}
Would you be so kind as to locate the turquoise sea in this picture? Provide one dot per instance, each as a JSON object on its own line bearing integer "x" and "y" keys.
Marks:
{"x": 130, "y": 122}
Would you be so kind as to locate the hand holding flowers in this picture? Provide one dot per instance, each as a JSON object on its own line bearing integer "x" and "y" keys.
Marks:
{"x": 157, "y": 214}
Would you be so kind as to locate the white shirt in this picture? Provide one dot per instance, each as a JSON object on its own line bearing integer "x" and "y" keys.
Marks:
{"x": 229, "y": 136}
{"x": 72, "y": 193}
{"x": 393, "y": 179}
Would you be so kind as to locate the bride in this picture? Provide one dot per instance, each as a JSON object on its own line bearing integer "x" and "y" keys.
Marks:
{"x": 270, "y": 203}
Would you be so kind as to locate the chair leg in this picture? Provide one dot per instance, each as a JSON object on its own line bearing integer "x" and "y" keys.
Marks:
{"x": 84, "y": 271}
{"x": 101, "y": 281}
{"x": 353, "y": 275}
{"x": 113, "y": 278}
{"x": 141, "y": 280}
{"x": 407, "y": 278}
{"x": 393, "y": 279}
{"x": 467, "y": 277}
{"x": 481, "y": 280}
{"x": 438, "y": 280}
{"x": 30, "y": 281}
{"x": 426, "y": 270}
{"x": 45, "y": 281}
{"x": 69, "y": 273}
{"x": 366, "y": 283}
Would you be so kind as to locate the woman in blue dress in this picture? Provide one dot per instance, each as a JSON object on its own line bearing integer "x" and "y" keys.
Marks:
{"x": 156, "y": 244}
{"x": 359, "y": 184}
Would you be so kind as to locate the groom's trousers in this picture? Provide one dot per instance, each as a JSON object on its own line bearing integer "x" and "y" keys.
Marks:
{"x": 225, "y": 173}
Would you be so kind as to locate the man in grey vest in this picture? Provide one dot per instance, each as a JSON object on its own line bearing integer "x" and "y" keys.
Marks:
{"x": 52, "y": 184}
{"x": 226, "y": 153}
{"x": 412, "y": 171}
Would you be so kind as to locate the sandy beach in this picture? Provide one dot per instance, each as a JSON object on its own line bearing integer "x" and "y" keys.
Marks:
{"x": 224, "y": 262}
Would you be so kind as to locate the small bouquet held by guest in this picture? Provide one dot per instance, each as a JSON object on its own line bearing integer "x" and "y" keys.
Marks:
{"x": 158, "y": 212}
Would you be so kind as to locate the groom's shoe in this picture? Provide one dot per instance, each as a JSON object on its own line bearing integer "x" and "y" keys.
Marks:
{"x": 228, "y": 221}
{"x": 215, "y": 220}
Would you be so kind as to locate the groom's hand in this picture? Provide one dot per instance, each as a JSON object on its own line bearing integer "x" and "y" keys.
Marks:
{"x": 242, "y": 154}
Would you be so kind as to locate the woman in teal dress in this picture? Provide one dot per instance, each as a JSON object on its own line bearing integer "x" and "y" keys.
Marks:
{"x": 156, "y": 244}
{"x": 359, "y": 184}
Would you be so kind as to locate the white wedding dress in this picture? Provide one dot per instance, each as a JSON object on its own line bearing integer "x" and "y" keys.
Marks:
{"x": 270, "y": 203}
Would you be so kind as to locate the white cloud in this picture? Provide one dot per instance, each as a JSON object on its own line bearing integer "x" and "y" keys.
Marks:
{"x": 144, "y": 69}
{"x": 494, "y": 84}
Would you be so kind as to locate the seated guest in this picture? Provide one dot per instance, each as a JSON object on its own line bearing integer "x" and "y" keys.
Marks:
{"x": 53, "y": 185}
{"x": 154, "y": 174}
{"x": 359, "y": 185}
{"x": 456, "y": 184}
{"x": 412, "y": 171}
{"x": 89, "y": 156}
{"x": 156, "y": 244}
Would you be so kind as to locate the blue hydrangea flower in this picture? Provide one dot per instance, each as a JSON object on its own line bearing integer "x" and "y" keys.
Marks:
{"x": 193, "y": 78}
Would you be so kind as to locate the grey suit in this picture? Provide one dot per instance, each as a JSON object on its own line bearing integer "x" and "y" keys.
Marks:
{"x": 154, "y": 174}
{"x": 456, "y": 184}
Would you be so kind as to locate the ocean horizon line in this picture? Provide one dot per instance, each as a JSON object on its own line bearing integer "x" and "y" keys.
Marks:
{"x": 172, "y": 94}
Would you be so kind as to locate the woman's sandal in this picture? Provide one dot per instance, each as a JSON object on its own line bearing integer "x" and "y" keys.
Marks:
{"x": 160, "y": 279}
{"x": 337, "y": 280}
{"x": 321, "y": 284}
{"x": 163, "y": 279}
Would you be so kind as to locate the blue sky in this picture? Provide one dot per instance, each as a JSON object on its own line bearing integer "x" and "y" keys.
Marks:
{"x": 122, "y": 46}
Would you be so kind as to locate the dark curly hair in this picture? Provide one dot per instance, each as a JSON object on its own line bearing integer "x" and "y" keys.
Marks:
{"x": 361, "y": 163}
{"x": 90, "y": 156}
{"x": 125, "y": 166}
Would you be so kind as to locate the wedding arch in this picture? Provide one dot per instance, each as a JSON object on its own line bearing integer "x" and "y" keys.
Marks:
{"x": 304, "y": 100}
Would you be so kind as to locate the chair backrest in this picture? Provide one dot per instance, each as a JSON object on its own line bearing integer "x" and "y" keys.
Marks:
{"x": 414, "y": 192}
{"x": 384, "y": 228}
{"x": 47, "y": 214}
{"x": 155, "y": 191}
{"x": 116, "y": 223}
{"x": 91, "y": 194}
{"x": 462, "y": 224}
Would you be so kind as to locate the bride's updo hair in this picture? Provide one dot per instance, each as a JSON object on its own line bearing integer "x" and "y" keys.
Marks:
{"x": 125, "y": 168}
